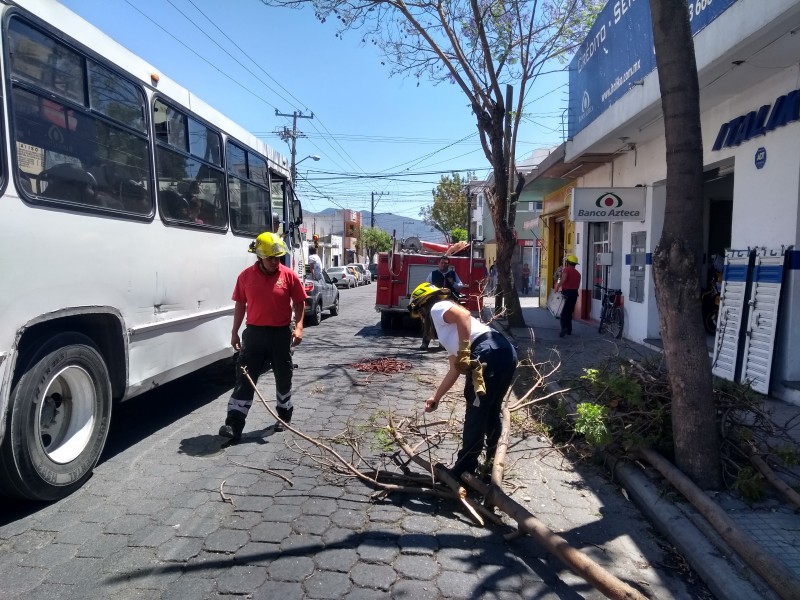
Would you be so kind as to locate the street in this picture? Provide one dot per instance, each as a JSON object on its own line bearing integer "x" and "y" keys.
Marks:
{"x": 173, "y": 512}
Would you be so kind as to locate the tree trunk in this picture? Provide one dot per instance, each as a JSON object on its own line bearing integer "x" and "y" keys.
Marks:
{"x": 676, "y": 257}
{"x": 503, "y": 214}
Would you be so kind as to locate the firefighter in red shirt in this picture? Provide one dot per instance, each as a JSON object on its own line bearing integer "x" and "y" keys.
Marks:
{"x": 568, "y": 286}
{"x": 270, "y": 294}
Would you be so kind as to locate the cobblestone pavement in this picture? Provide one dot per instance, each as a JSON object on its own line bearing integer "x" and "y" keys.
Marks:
{"x": 152, "y": 522}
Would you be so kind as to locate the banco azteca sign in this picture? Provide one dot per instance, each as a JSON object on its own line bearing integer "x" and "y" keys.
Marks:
{"x": 608, "y": 204}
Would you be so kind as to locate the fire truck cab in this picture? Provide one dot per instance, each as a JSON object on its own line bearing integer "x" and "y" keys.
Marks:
{"x": 404, "y": 268}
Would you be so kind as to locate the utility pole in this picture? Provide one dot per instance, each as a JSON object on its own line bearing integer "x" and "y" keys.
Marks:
{"x": 292, "y": 135}
{"x": 372, "y": 217}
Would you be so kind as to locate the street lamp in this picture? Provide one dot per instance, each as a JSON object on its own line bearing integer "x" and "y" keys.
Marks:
{"x": 294, "y": 166}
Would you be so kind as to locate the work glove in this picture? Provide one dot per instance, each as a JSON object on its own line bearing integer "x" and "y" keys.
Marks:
{"x": 477, "y": 378}
{"x": 463, "y": 357}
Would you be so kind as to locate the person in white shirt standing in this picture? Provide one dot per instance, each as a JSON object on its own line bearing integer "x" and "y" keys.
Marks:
{"x": 314, "y": 263}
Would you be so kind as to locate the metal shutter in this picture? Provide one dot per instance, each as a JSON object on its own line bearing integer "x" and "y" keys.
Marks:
{"x": 764, "y": 300}
{"x": 731, "y": 308}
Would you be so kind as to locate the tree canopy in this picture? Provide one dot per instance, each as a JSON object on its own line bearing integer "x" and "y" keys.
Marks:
{"x": 449, "y": 209}
{"x": 374, "y": 240}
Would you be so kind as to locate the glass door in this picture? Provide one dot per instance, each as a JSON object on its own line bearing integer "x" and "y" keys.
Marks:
{"x": 598, "y": 242}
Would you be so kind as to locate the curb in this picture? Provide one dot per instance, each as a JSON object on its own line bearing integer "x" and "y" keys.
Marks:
{"x": 713, "y": 560}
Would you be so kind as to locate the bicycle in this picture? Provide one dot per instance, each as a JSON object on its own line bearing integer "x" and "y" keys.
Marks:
{"x": 612, "y": 317}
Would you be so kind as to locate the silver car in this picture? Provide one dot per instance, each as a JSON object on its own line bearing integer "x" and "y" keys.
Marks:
{"x": 366, "y": 276}
{"x": 344, "y": 279}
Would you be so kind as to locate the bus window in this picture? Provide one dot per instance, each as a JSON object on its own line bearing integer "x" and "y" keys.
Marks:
{"x": 65, "y": 152}
{"x": 198, "y": 181}
{"x": 251, "y": 206}
{"x": 45, "y": 63}
{"x": 170, "y": 126}
{"x": 258, "y": 169}
{"x": 204, "y": 142}
{"x": 116, "y": 98}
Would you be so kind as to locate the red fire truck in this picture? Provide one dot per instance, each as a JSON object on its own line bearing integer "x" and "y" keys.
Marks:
{"x": 404, "y": 267}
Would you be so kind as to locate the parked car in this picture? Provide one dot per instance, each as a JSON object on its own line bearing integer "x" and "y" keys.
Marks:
{"x": 356, "y": 273}
{"x": 366, "y": 276}
{"x": 373, "y": 269}
{"x": 322, "y": 295}
{"x": 341, "y": 277}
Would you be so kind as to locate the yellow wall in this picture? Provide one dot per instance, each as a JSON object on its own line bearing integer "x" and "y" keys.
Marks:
{"x": 556, "y": 205}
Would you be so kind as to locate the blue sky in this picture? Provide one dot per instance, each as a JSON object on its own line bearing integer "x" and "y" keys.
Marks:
{"x": 365, "y": 123}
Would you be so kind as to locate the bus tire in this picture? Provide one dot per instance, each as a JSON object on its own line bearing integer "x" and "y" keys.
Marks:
{"x": 58, "y": 420}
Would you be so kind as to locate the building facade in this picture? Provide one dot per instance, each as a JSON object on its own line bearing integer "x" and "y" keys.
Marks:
{"x": 748, "y": 57}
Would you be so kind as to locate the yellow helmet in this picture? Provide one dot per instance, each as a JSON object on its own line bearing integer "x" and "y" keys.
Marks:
{"x": 571, "y": 258}
{"x": 422, "y": 294}
{"x": 268, "y": 245}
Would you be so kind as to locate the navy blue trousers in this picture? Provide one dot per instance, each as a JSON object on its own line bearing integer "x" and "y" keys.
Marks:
{"x": 482, "y": 421}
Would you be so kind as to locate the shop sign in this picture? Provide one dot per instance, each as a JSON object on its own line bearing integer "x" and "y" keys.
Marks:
{"x": 785, "y": 110}
{"x": 617, "y": 54}
{"x": 608, "y": 204}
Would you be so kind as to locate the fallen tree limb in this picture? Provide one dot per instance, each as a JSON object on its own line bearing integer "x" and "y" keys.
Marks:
{"x": 223, "y": 495}
{"x": 441, "y": 473}
{"x": 779, "y": 484}
{"x": 578, "y": 563}
{"x": 777, "y": 576}
{"x": 264, "y": 470}
{"x": 347, "y": 466}
{"x": 499, "y": 464}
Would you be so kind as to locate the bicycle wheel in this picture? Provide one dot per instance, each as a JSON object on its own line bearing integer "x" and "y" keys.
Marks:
{"x": 615, "y": 322}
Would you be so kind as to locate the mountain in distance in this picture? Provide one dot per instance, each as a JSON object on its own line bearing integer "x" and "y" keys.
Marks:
{"x": 403, "y": 227}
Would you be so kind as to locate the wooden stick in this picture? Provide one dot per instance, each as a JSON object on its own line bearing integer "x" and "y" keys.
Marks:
{"x": 441, "y": 474}
{"x": 263, "y": 469}
{"x": 580, "y": 564}
{"x": 779, "y": 484}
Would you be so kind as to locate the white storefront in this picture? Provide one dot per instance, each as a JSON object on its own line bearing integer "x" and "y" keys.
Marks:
{"x": 748, "y": 52}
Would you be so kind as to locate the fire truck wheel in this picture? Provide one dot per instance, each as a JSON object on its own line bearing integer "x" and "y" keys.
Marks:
{"x": 387, "y": 320}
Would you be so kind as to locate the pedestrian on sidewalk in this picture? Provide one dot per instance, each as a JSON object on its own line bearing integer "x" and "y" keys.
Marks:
{"x": 526, "y": 279}
{"x": 568, "y": 286}
{"x": 469, "y": 344}
{"x": 270, "y": 294}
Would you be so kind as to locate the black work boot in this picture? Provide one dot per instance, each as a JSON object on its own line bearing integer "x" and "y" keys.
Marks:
{"x": 234, "y": 424}
{"x": 285, "y": 414}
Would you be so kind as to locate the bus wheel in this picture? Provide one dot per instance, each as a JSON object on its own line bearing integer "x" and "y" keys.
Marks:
{"x": 59, "y": 414}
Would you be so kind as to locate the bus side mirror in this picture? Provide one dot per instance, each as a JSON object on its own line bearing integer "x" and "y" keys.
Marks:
{"x": 297, "y": 212}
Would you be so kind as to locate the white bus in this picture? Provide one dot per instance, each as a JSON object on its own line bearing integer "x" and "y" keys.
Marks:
{"x": 127, "y": 207}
